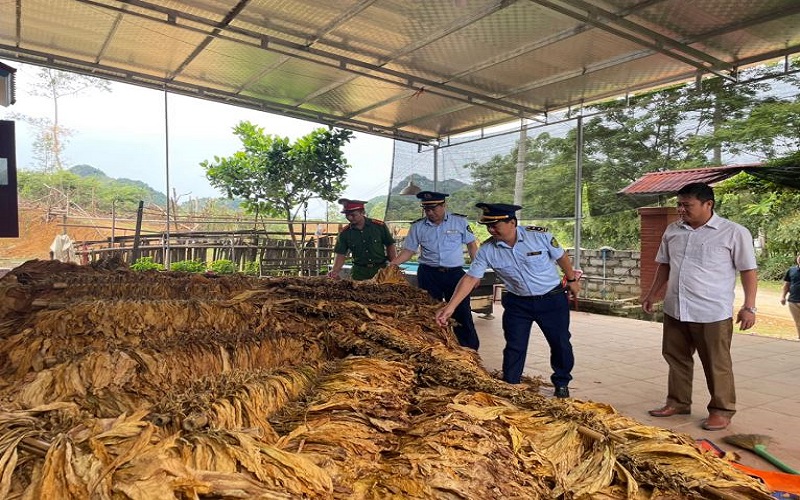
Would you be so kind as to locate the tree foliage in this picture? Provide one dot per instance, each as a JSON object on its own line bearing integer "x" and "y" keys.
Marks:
{"x": 93, "y": 194}
{"x": 680, "y": 127}
{"x": 406, "y": 207}
{"x": 276, "y": 177}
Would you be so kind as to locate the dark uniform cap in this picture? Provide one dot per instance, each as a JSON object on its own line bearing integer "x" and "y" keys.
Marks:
{"x": 431, "y": 197}
{"x": 351, "y": 205}
{"x": 495, "y": 212}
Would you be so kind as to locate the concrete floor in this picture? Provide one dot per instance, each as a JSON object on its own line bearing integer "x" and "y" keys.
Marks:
{"x": 618, "y": 361}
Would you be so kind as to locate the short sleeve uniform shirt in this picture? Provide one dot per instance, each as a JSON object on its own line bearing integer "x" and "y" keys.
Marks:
{"x": 527, "y": 268}
{"x": 442, "y": 245}
{"x": 367, "y": 245}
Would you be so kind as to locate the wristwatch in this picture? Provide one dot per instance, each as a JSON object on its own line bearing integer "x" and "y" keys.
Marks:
{"x": 749, "y": 309}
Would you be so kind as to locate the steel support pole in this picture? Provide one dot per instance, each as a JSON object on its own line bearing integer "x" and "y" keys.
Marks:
{"x": 578, "y": 193}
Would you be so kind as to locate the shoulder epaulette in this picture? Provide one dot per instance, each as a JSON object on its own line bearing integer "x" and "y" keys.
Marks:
{"x": 459, "y": 215}
{"x": 415, "y": 221}
{"x": 377, "y": 221}
{"x": 538, "y": 229}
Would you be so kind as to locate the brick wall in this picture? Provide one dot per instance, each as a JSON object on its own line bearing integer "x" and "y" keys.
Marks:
{"x": 653, "y": 221}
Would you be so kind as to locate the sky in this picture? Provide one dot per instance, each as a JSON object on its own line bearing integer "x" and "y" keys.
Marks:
{"x": 123, "y": 133}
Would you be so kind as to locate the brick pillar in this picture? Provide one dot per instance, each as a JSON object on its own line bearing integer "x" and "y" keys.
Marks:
{"x": 653, "y": 221}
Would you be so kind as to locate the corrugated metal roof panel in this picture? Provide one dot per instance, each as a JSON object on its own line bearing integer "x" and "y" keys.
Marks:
{"x": 670, "y": 182}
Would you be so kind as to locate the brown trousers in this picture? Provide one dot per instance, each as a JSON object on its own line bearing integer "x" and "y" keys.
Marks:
{"x": 794, "y": 308}
{"x": 712, "y": 342}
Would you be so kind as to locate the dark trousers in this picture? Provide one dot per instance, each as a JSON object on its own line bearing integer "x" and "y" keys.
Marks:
{"x": 440, "y": 285}
{"x": 361, "y": 273}
{"x": 551, "y": 313}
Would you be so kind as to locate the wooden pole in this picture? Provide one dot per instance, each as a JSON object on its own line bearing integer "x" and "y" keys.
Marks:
{"x": 137, "y": 233}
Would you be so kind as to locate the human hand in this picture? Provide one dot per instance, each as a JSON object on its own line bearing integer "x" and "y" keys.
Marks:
{"x": 443, "y": 315}
{"x": 783, "y": 301}
{"x": 574, "y": 288}
{"x": 745, "y": 319}
{"x": 647, "y": 305}
{"x": 333, "y": 274}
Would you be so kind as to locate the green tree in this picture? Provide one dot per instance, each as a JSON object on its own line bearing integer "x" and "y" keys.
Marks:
{"x": 276, "y": 177}
{"x": 94, "y": 190}
{"x": 716, "y": 105}
{"x": 766, "y": 208}
{"x": 676, "y": 128}
{"x": 760, "y": 119}
{"x": 549, "y": 179}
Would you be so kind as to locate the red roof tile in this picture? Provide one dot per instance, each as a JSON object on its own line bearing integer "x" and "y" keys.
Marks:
{"x": 669, "y": 182}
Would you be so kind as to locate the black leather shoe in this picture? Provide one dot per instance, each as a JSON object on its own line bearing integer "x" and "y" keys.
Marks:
{"x": 561, "y": 392}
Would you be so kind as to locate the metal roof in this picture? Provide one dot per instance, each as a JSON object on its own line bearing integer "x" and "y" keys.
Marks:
{"x": 414, "y": 70}
{"x": 670, "y": 182}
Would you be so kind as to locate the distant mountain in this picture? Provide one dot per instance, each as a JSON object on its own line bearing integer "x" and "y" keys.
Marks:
{"x": 406, "y": 207}
{"x": 88, "y": 171}
{"x": 155, "y": 196}
{"x": 449, "y": 186}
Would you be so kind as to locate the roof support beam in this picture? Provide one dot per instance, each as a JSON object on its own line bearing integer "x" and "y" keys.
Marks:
{"x": 639, "y": 35}
{"x": 422, "y": 42}
{"x": 210, "y": 38}
{"x": 330, "y": 59}
{"x": 611, "y": 63}
{"x": 191, "y": 90}
{"x": 659, "y": 39}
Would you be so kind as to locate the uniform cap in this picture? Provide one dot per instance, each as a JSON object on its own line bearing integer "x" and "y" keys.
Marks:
{"x": 495, "y": 212}
{"x": 428, "y": 198}
{"x": 351, "y": 205}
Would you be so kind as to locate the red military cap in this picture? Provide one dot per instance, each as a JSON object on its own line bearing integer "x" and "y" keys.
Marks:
{"x": 350, "y": 205}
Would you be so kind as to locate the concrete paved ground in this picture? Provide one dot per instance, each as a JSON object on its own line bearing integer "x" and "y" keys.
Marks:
{"x": 618, "y": 361}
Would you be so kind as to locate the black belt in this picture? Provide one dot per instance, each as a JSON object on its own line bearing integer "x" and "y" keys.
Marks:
{"x": 371, "y": 264}
{"x": 555, "y": 291}
{"x": 441, "y": 269}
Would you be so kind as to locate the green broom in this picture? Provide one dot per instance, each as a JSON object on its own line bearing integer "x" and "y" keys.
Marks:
{"x": 757, "y": 443}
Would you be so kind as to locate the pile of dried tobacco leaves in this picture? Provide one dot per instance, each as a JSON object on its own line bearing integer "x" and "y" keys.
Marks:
{"x": 118, "y": 384}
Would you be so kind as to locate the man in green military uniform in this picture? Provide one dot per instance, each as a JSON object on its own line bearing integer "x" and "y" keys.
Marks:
{"x": 368, "y": 241}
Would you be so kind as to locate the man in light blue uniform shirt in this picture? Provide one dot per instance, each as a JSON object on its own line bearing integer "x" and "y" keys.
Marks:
{"x": 524, "y": 259}
{"x": 441, "y": 236}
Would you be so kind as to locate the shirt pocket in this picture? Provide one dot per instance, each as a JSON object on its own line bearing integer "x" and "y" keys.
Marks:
{"x": 536, "y": 261}
{"x": 715, "y": 255}
{"x": 451, "y": 241}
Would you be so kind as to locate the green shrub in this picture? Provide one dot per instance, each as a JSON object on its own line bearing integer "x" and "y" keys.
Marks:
{"x": 188, "y": 266}
{"x": 251, "y": 268}
{"x": 222, "y": 266}
{"x": 146, "y": 264}
{"x": 774, "y": 267}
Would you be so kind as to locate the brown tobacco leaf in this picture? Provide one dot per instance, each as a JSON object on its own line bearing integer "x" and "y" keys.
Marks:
{"x": 118, "y": 384}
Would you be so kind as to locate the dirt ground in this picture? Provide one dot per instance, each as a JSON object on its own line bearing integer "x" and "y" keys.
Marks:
{"x": 36, "y": 235}
{"x": 773, "y": 319}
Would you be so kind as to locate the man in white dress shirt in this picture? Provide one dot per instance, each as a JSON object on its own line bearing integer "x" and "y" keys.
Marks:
{"x": 698, "y": 259}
